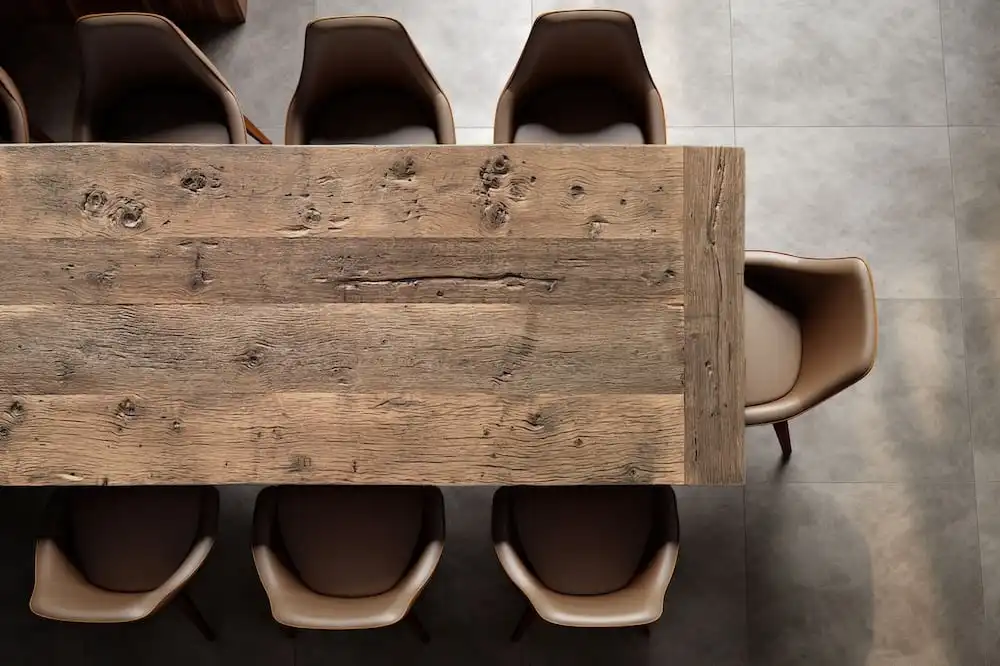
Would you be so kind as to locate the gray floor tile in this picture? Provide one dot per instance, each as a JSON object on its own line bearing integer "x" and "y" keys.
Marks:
{"x": 907, "y": 420}
{"x": 701, "y": 136}
{"x": 982, "y": 321}
{"x": 470, "y": 46}
{"x": 687, "y": 48}
{"x": 975, "y": 159}
{"x": 879, "y": 193}
{"x": 971, "y": 52}
{"x": 852, "y": 62}
{"x": 988, "y": 503}
{"x": 863, "y": 575}
{"x": 262, "y": 58}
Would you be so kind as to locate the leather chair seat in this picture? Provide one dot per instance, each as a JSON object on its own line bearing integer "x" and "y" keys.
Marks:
{"x": 350, "y": 541}
{"x": 119, "y": 554}
{"x": 353, "y": 557}
{"x": 593, "y": 556}
{"x": 164, "y": 115}
{"x": 773, "y": 342}
{"x": 617, "y": 134}
{"x": 583, "y": 540}
{"x": 133, "y": 539}
{"x": 579, "y": 112}
{"x": 372, "y": 117}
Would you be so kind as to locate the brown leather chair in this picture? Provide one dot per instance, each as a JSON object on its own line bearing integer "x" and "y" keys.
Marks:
{"x": 120, "y": 554}
{"x": 364, "y": 82}
{"x": 581, "y": 78}
{"x": 810, "y": 332}
{"x": 144, "y": 81}
{"x": 347, "y": 557}
{"x": 588, "y": 556}
{"x": 14, "y": 118}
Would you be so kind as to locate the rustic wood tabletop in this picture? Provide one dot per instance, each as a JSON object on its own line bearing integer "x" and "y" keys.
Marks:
{"x": 443, "y": 315}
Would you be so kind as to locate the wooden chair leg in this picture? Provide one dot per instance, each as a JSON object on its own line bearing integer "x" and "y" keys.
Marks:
{"x": 785, "y": 439}
{"x": 413, "y": 620}
{"x": 527, "y": 617}
{"x": 194, "y": 615}
{"x": 255, "y": 132}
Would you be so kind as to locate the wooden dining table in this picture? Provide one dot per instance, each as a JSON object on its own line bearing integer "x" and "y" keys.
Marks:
{"x": 379, "y": 315}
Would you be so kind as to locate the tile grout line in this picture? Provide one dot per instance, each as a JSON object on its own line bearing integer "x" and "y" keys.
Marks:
{"x": 961, "y": 309}
{"x": 732, "y": 67}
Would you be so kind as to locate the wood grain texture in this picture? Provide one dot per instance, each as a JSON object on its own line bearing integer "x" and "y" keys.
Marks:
{"x": 441, "y": 314}
{"x": 713, "y": 315}
{"x": 322, "y": 348}
{"x": 353, "y": 438}
{"x": 331, "y": 270}
{"x": 107, "y": 191}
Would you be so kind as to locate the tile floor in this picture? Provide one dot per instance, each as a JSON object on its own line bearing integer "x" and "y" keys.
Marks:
{"x": 871, "y": 128}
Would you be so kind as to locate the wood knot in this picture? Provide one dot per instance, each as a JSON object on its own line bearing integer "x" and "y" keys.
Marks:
{"x": 194, "y": 180}
{"x": 535, "y": 421}
{"x": 105, "y": 278}
{"x": 595, "y": 226}
{"x": 496, "y": 214}
{"x": 94, "y": 201}
{"x": 252, "y": 358}
{"x": 311, "y": 216}
{"x": 4, "y": 432}
{"x": 128, "y": 213}
{"x": 498, "y": 164}
{"x": 404, "y": 168}
{"x": 576, "y": 191}
{"x": 126, "y": 409}
{"x": 15, "y": 411}
{"x": 200, "y": 279}
{"x": 175, "y": 426}
{"x": 299, "y": 463}
{"x": 518, "y": 189}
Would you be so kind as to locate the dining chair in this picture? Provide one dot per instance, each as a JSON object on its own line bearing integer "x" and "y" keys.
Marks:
{"x": 120, "y": 554}
{"x": 14, "y": 121}
{"x": 581, "y": 78}
{"x": 144, "y": 81}
{"x": 347, "y": 557}
{"x": 588, "y": 556}
{"x": 364, "y": 82}
{"x": 810, "y": 332}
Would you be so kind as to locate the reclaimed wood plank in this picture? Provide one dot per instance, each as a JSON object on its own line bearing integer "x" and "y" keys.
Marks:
{"x": 83, "y": 190}
{"x": 334, "y": 270}
{"x": 713, "y": 315}
{"x": 341, "y": 438}
{"x": 440, "y": 314}
{"x": 323, "y": 348}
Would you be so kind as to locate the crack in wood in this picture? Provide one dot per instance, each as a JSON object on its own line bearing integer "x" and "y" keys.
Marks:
{"x": 504, "y": 280}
